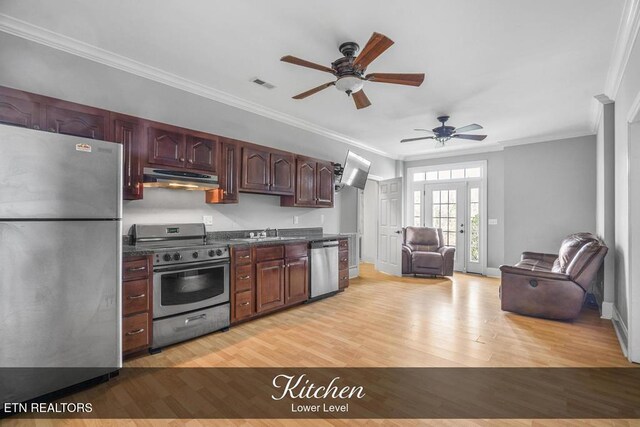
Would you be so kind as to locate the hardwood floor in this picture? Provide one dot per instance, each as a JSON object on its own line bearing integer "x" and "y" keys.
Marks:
{"x": 384, "y": 321}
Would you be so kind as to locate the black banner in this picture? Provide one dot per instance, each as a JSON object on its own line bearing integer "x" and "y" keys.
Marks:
{"x": 373, "y": 393}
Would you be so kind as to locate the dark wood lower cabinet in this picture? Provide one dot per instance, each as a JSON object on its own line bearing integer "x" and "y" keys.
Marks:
{"x": 297, "y": 280}
{"x": 269, "y": 285}
{"x": 137, "y": 304}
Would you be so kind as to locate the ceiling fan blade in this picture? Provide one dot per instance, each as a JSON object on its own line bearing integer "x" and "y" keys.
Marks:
{"x": 314, "y": 90}
{"x": 377, "y": 44}
{"x": 297, "y": 61}
{"x": 395, "y": 78}
{"x": 472, "y": 137}
{"x": 424, "y": 130}
{"x": 417, "y": 139}
{"x": 360, "y": 99}
{"x": 468, "y": 128}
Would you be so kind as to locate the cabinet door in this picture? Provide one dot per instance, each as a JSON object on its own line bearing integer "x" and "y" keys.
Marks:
{"x": 255, "y": 170}
{"x": 165, "y": 147}
{"x": 229, "y": 172}
{"x": 305, "y": 182}
{"x": 282, "y": 173}
{"x": 202, "y": 154}
{"x": 297, "y": 280}
{"x": 19, "y": 112}
{"x": 269, "y": 285}
{"x": 324, "y": 184}
{"x": 84, "y": 121}
{"x": 127, "y": 131}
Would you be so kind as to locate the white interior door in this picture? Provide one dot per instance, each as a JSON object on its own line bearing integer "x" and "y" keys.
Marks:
{"x": 389, "y": 258}
{"x": 445, "y": 207}
{"x": 456, "y": 207}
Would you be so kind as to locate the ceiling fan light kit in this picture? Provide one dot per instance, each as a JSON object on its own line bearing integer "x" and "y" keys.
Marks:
{"x": 350, "y": 70}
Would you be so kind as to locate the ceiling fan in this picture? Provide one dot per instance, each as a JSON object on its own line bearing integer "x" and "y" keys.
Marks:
{"x": 444, "y": 133}
{"x": 350, "y": 70}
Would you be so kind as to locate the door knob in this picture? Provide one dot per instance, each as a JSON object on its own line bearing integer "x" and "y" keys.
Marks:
{"x": 398, "y": 232}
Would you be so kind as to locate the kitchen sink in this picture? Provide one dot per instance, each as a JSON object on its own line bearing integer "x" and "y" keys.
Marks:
{"x": 264, "y": 239}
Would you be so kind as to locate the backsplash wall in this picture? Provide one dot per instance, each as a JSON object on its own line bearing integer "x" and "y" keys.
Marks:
{"x": 253, "y": 212}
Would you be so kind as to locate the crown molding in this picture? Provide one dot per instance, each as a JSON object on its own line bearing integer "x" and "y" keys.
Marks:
{"x": 452, "y": 153}
{"x": 544, "y": 138}
{"x": 43, "y": 36}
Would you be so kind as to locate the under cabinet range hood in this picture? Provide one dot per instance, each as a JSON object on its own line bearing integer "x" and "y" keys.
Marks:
{"x": 179, "y": 179}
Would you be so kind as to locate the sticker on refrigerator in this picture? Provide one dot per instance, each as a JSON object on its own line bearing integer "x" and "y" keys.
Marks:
{"x": 83, "y": 147}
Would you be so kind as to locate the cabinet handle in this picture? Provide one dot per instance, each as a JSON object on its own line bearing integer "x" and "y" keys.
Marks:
{"x": 132, "y": 269}
{"x": 244, "y": 303}
{"x": 136, "y": 296}
{"x": 343, "y": 260}
{"x": 52, "y": 130}
{"x": 139, "y": 331}
{"x": 190, "y": 161}
{"x": 191, "y": 319}
{"x": 181, "y": 159}
{"x": 245, "y": 256}
{"x": 345, "y": 278}
{"x": 36, "y": 127}
{"x": 245, "y": 277}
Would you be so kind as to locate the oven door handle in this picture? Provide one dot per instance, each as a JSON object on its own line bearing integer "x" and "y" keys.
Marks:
{"x": 190, "y": 267}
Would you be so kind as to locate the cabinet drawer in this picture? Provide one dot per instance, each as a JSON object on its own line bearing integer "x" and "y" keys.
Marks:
{"x": 267, "y": 253}
{"x": 243, "y": 307}
{"x": 135, "y": 332}
{"x": 296, "y": 250}
{"x": 343, "y": 279}
{"x": 343, "y": 244}
{"x": 343, "y": 260}
{"x": 135, "y": 296}
{"x": 242, "y": 256}
{"x": 244, "y": 278}
{"x": 135, "y": 268}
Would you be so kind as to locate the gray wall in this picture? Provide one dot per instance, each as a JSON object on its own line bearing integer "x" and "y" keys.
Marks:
{"x": 550, "y": 191}
{"x": 369, "y": 248}
{"x": 539, "y": 193}
{"x": 495, "y": 197}
{"x": 36, "y": 68}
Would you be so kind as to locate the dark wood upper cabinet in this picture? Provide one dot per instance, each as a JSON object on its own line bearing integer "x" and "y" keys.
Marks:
{"x": 255, "y": 170}
{"x": 77, "y": 121}
{"x": 282, "y": 173}
{"x": 297, "y": 280}
{"x": 202, "y": 154}
{"x": 19, "y": 112}
{"x": 269, "y": 285}
{"x": 314, "y": 184}
{"x": 128, "y": 132}
{"x": 229, "y": 170}
{"x": 324, "y": 184}
{"x": 165, "y": 147}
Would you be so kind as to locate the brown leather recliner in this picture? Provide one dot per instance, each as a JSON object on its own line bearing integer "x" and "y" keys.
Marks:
{"x": 553, "y": 286}
{"x": 423, "y": 252}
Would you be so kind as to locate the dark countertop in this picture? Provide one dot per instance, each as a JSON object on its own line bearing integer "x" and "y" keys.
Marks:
{"x": 131, "y": 250}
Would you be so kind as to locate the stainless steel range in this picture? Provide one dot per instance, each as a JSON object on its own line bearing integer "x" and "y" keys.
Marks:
{"x": 190, "y": 281}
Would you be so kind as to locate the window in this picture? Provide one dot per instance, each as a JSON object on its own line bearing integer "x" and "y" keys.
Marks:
{"x": 473, "y": 172}
{"x": 417, "y": 208}
{"x": 432, "y": 176}
{"x": 474, "y": 224}
{"x": 457, "y": 174}
{"x": 444, "y": 214}
{"x": 418, "y": 176}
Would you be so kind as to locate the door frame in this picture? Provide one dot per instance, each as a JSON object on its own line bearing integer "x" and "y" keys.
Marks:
{"x": 411, "y": 185}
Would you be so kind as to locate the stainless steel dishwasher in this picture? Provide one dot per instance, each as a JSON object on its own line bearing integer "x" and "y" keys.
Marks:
{"x": 324, "y": 269}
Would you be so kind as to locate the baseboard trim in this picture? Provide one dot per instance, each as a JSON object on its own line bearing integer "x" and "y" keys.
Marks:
{"x": 621, "y": 331}
{"x": 606, "y": 310}
{"x": 492, "y": 272}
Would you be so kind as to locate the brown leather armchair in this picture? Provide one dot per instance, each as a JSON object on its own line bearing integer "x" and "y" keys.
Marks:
{"x": 553, "y": 286}
{"x": 423, "y": 252}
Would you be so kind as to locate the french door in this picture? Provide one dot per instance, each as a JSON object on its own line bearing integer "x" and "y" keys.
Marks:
{"x": 455, "y": 208}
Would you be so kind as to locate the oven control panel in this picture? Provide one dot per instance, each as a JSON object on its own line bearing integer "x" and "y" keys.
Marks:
{"x": 190, "y": 255}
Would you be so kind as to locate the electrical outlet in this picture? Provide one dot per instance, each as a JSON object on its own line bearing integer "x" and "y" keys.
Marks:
{"x": 207, "y": 219}
{"x": 322, "y": 219}
{"x": 493, "y": 221}
{"x": 296, "y": 219}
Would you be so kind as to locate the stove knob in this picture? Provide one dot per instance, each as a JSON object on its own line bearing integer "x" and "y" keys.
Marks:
{"x": 211, "y": 252}
{"x": 167, "y": 257}
{"x": 195, "y": 254}
{"x": 219, "y": 252}
{"x": 177, "y": 256}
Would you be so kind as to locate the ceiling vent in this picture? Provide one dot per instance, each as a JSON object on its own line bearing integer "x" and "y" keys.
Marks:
{"x": 262, "y": 83}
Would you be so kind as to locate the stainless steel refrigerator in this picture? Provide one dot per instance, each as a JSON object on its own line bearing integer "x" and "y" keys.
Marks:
{"x": 60, "y": 261}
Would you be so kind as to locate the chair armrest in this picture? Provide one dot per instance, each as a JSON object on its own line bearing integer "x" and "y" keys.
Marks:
{"x": 538, "y": 256}
{"x": 444, "y": 250}
{"x": 507, "y": 269}
{"x": 406, "y": 248}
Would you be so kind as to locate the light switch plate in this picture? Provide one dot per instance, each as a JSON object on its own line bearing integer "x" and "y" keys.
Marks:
{"x": 322, "y": 219}
{"x": 207, "y": 219}
{"x": 493, "y": 221}
{"x": 296, "y": 219}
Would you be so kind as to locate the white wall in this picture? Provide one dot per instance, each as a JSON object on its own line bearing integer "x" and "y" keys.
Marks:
{"x": 369, "y": 248}
{"x": 36, "y": 68}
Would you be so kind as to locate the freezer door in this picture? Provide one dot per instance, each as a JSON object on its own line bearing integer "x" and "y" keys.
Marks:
{"x": 60, "y": 288}
{"x": 48, "y": 175}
